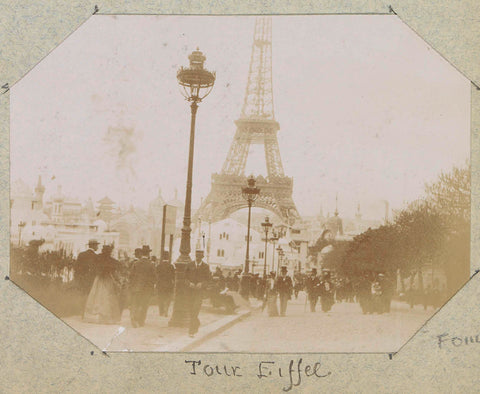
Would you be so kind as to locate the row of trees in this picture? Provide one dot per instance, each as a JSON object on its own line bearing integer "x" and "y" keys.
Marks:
{"x": 434, "y": 230}
{"x": 49, "y": 265}
{"x": 45, "y": 276}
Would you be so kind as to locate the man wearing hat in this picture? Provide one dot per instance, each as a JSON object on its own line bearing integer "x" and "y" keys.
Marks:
{"x": 312, "y": 284}
{"x": 197, "y": 276}
{"x": 142, "y": 282}
{"x": 284, "y": 287}
{"x": 85, "y": 270}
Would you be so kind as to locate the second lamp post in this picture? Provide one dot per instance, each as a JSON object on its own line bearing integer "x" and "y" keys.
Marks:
{"x": 280, "y": 256}
{"x": 273, "y": 238}
{"x": 249, "y": 193}
{"x": 266, "y": 226}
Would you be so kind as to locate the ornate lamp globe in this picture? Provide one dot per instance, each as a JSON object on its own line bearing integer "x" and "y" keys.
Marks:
{"x": 274, "y": 236}
{"x": 196, "y": 82}
{"x": 267, "y": 224}
{"x": 250, "y": 192}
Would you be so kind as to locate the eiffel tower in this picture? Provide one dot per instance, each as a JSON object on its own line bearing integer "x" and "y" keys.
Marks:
{"x": 257, "y": 125}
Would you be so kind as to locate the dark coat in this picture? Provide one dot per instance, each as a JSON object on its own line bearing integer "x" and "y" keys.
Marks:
{"x": 312, "y": 283}
{"x": 165, "y": 276}
{"x": 364, "y": 288}
{"x": 107, "y": 265}
{"x": 142, "y": 276}
{"x": 85, "y": 269}
{"x": 196, "y": 275}
{"x": 326, "y": 288}
{"x": 284, "y": 285}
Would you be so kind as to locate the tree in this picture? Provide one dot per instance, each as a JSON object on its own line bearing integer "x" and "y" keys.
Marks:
{"x": 423, "y": 235}
{"x": 375, "y": 250}
{"x": 434, "y": 231}
{"x": 336, "y": 256}
{"x": 450, "y": 195}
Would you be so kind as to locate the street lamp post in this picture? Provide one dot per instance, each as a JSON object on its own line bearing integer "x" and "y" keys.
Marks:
{"x": 249, "y": 193}
{"x": 273, "y": 238}
{"x": 196, "y": 83}
{"x": 266, "y": 226}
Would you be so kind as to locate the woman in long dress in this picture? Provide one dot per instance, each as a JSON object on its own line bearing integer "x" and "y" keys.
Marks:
{"x": 103, "y": 305}
{"x": 271, "y": 296}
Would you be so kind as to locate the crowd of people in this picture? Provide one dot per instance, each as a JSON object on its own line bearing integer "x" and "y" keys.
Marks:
{"x": 108, "y": 286}
{"x": 271, "y": 290}
{"x": 372, "y": 291}
{"x": 105, "y": 287}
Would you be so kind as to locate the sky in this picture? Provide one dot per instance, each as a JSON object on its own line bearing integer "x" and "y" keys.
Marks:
{"x": 367, "y": 110}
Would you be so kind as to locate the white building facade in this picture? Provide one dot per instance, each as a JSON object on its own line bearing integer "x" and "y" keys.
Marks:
{"x": 61, "y": 222}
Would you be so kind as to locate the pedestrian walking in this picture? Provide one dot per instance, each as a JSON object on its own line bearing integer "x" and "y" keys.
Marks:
{"x": 85, "y": 270}
{"x": 121, "y": 277}
{"x": 364, "y": 294}
{"x": 229, "y": 281}
{"x": 298, "y": 283}
{"x": 386, "y": 284}
{"x": 377, "y": 295}
{"x": 197, "y": 275}
{"x": 261, "y": 283}
{"x": 312, "y": 284}
{"x": 284, "y": 287}
{"x": 142, "y": 282}
{"x": 103, "y": 305}
{"x": 165, "y": 285}
{"x": 327, "y": 291}
{"x": 348, "y": 290}
{"x": 236, "y": 281}
{"x": 412, "y": 295}
{"x": 271, "y": 295}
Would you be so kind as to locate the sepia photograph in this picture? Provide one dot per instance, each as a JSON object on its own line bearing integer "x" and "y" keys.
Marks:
{"x": 249, "y": 184}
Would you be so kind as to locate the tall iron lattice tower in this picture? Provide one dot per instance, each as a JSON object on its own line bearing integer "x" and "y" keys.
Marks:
{"x": 257, "y": 125}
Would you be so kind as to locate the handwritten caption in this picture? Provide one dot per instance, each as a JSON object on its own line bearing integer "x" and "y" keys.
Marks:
{"x": 291, "y": 372}
{"x": 444, "y": 340}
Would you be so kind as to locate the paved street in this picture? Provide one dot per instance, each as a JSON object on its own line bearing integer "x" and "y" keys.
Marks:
{"x": 343, "y": 329}
{"x": 156, "y": 335}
